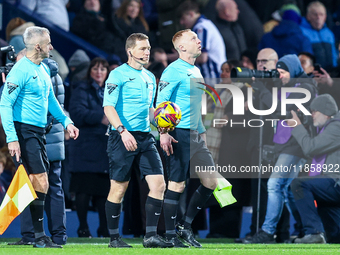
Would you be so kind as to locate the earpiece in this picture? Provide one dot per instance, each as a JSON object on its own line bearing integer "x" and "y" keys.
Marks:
{"x": 135, "y": 57}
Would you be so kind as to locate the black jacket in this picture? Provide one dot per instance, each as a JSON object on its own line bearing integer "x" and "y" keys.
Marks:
{"x": 92, "y": 28}
{"x": 122, "y": 30}
{"x": 88, "y": 152}
{"x": 233, "y": 37}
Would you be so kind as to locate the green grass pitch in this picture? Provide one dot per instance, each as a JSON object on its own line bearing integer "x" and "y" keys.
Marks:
{"x": 94, "y": 246}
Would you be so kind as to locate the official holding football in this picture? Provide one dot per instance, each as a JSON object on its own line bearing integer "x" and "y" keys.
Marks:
{"x": 128, "y": 99}
{"x": 179, "y": 84}
{"x": 27, "y": 97}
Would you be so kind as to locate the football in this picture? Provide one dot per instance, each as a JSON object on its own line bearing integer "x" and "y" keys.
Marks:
{"x": 167, "y": 115}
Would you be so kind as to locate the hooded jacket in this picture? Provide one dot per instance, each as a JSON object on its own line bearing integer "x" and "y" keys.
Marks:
{"x": 298, "y": 78}
{"x": 286, "y": 38}
{"x": 323, "y": 44}
{"x": 55, "y": 138}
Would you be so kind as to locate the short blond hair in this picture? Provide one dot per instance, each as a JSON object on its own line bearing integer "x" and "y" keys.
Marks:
{"x": 133, "y": 38}
{"x": 179, "y": 35}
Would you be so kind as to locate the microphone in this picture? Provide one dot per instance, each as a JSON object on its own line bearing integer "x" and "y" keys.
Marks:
{"x": 135, "y": 57}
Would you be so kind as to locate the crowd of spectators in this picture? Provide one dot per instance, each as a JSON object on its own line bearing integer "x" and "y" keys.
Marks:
{"x": 233, "y": 33}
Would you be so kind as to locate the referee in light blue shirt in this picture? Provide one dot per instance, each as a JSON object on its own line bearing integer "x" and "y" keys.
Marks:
{"x": 180, "y": 84}
{"x": 128, "y": 97}
{"x": 27, "y": 97}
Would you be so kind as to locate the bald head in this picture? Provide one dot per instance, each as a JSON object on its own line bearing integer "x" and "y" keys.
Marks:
{"x": 227, "y": 10}
{"x": 221, "y": 4}
{"x": 267, "y": 59}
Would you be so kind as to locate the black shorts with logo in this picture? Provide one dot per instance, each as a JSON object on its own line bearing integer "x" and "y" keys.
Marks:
{"x": 146, "y": 156}
{"x": 32, "y": 142}
{"x": 189, "y": 152}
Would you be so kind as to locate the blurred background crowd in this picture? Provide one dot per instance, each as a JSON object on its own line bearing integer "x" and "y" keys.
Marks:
{"x": 89, "y": 41}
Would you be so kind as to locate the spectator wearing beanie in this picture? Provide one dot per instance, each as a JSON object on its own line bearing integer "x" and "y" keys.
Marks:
{"x": 78, "y": 63}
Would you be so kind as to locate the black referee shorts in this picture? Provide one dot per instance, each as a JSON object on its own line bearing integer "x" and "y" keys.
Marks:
{"x": 32, "y": 142}
{"x": 190, "y": 151}
{"x": 120, "y": 160}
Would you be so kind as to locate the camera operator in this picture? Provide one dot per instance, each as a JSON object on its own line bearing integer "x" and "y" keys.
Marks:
{"x": 289, "y": 151}
{"x": 324, "y": 187}
{"x": 4, "y": 70}
{"x": 266, "y": 60}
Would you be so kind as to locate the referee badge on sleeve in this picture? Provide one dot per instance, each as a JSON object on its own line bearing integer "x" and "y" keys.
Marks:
{"x": 11, "y": 87}
{"x": 111, "y": 87}
{"x": 162, "y": 85}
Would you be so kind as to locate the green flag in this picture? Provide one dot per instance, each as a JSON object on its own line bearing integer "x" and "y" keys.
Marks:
{"x": 223, "y": 193}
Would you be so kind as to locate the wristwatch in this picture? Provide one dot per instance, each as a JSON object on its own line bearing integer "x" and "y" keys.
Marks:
{"x": 120, "y": 129}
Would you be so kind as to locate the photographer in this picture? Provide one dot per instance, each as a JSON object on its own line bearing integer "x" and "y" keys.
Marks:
{"x": 289, "y": 151}
{"x": 324, "y": 186}
{"x": 266, "y": 60}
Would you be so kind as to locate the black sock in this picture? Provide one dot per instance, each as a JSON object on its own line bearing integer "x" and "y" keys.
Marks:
{"x": 82, "y": 205}
{"x": 37, "y": 212}
{"x": 100, "y": 205}
{"x": 153, "y": 208}
{"x": 196, "y": 203}
{"x": 112, "y": 216}
{"x": 170, "y": 207}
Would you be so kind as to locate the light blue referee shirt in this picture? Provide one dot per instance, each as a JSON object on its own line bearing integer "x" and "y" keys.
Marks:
{"x": 27, "y": 97}
{"x": 131, "y": 92}
{"x": 179, "y": 84}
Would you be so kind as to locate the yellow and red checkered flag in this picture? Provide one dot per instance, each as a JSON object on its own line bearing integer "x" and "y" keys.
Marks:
{"x": 19, "y": 195}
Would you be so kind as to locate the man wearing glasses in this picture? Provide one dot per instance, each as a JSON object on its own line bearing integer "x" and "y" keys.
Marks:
{"x": 266, "y": 60}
